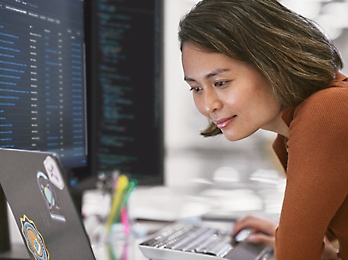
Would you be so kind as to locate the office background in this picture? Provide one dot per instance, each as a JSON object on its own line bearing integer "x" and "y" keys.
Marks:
{"x": 246, "y": 169}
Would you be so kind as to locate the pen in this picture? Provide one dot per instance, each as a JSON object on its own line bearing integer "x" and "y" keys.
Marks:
{"x": 121, "y": 185}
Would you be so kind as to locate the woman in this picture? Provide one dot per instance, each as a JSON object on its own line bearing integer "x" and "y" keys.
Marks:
{"x": 254, "y": 64}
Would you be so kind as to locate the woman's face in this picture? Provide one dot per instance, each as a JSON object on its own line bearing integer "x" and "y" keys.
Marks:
{"x": 232, "y": 94}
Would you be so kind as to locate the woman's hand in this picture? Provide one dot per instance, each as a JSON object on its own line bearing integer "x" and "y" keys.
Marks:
{"x": 263, "y": 231}
{"x": 330, "y": 252}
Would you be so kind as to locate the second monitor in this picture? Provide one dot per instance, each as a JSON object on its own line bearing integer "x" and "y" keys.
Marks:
{"x": 125, "y": 75}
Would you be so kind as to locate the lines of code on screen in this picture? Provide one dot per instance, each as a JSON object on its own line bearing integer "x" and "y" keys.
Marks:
{"x": 127, "y": 67}
{"x": 42, "y": 81}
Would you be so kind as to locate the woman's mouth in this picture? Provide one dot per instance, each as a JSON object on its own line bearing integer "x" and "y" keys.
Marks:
{"x": 222, "y": 123}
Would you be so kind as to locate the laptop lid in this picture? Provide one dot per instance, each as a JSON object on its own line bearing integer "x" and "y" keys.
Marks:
{"x": 45, "y": 213}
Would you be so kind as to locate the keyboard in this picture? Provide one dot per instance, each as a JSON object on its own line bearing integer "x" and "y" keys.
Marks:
{"x": 188, "y": 241}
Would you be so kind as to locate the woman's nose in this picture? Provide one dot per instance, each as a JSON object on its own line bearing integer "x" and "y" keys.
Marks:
{"x": 212, "y": 102}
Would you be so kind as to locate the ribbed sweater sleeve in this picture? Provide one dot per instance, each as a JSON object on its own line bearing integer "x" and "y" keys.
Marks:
{"x": 317, "y": 177}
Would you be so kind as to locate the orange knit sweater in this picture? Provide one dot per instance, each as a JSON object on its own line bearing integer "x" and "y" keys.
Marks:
{"x": 316, "y": 164}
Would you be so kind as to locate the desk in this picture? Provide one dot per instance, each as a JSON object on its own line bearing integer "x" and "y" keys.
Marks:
{"x": 159, "y": 203}
{"x": 170, "y": 204}
{"x": 118, "y": 247}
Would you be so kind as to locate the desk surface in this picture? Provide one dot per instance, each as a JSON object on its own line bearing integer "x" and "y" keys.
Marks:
{"x": 171, "y": 204}
{"x": 116, "y": 247}
{"x": 119, "y": 247}
{"x": 161, "y": 205}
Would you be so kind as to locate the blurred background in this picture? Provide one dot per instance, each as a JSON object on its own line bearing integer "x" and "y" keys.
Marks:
{"x": 249, "y": 164}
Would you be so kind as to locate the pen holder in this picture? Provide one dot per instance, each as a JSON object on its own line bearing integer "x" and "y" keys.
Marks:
{"x": 118, "y": 237}
{"x": 118, "y": 219}
{"x": 121, "y": 227}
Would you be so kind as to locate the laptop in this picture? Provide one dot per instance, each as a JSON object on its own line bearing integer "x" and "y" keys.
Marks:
{"x": 45, "y": 213}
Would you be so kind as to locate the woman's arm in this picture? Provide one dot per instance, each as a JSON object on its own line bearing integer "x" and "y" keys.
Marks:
{"x": 317, "y": 181}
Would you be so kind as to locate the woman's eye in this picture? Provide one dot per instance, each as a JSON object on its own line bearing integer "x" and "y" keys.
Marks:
{"x": 195, "y": 89}
{"x": 219, "y": 83}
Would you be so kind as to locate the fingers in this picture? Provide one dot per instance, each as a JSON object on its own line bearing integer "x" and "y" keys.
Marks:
{"x": 263, "y": 231}
{"x": 330, "y": 253}
{"x": 259, "y": 225}
{"x": 261, "y": 239}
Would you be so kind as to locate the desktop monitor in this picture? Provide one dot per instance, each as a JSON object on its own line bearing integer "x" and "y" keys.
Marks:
{"x": 42, "y": 82}
{"x": 116, "y": 122}
{"x": 125, "y": 57}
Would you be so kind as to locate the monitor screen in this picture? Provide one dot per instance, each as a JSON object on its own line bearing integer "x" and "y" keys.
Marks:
{"x": 42, "y": 78}
{"x": 125, "y": 72}
{"x": 42, "y": 83}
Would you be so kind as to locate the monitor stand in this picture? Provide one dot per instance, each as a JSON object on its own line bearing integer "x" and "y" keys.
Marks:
{"x": 8, "y": 251}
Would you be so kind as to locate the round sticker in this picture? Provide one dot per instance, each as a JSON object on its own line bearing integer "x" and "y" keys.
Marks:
{"x": 34, "y": 239}
{"x": 50, "y": 197}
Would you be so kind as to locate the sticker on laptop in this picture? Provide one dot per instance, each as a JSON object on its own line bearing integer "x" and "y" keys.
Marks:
{"x": 34, "y": 239}
{"x": 53, "y": 172}
{"x": 50, "y": 197}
